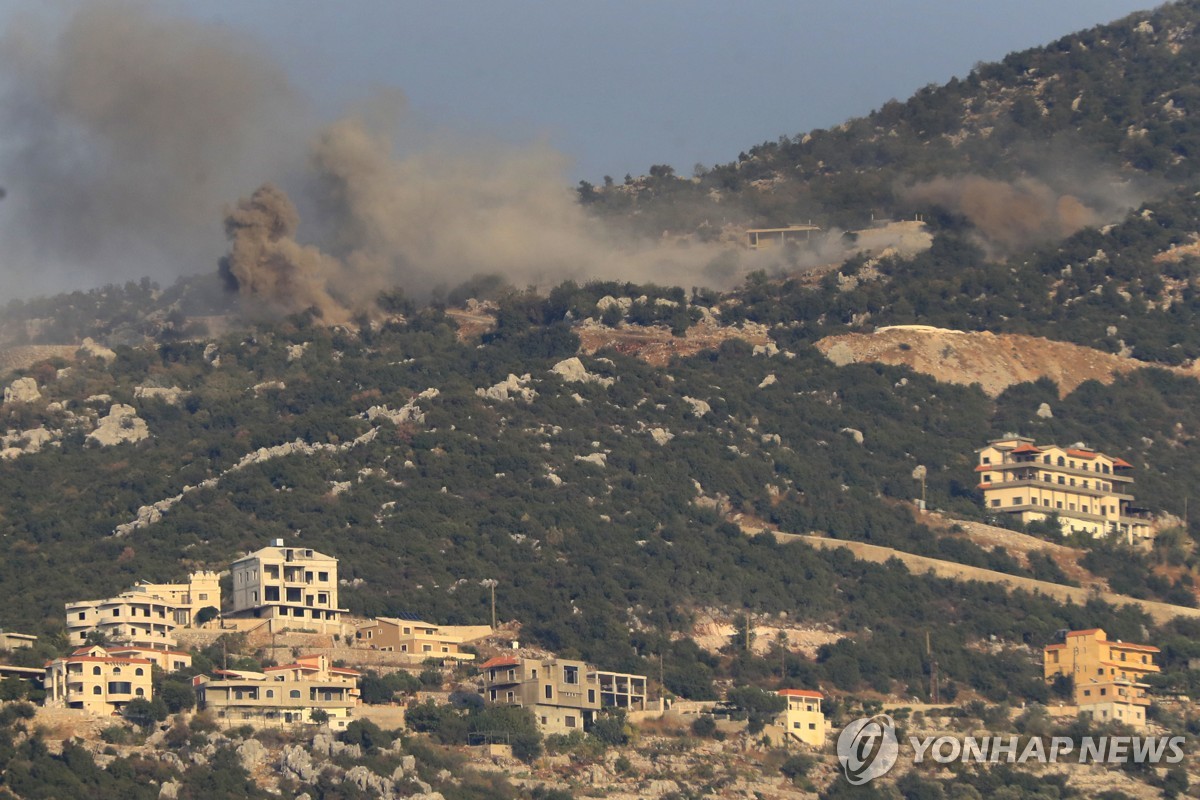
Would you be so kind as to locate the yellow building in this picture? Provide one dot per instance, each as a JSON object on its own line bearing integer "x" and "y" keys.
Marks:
{"x": 564, "y": 695}
{"x": 1107, "y": 676}
{"x": 419, "y": 639}
{"x": 295, "y": 588}
{"x": 765, "y": 238}
{"x": 94, "y": 680}
{"x": 281, "y": 696}
{"x": 166, "y": 660}
{"x": 147, "y": 614}
{"x": 1088, "y": 490}
{"x": 16, "y": 641}
{"x": 803, "y": 719}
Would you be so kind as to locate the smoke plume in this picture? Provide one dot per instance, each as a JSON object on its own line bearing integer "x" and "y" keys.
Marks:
{"x": 123, "y": 134}
{"x": 1023, "y": 213}
{"x": 267, "y": 264}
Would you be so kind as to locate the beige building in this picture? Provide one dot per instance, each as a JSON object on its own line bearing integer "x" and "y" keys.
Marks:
{"x": 1088, "y": 490}
{"x": 166, "y": 660}
{"x": 295, "y": 588}
{"x": 94, "y": 680}
{"x": 147, "y": 614}
{"x": 1107, "y": 676}
{"x": 419, "y": 639}
{"x": 16, "y": 641}
{"x": 281, "y": 696}
{"x": 564, "y": 695}
{"x": 803, "y": 719}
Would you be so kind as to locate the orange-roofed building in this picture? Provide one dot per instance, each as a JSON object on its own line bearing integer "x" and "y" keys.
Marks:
{"x": 282, "y": 696}
{"x": 1107, "y": 675}
{"x": 1090, "y": 492}
{"x": 803, "y": 720}
{"x": 97, "y": 681}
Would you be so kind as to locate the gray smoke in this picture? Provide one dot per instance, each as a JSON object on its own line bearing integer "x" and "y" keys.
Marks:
{"x": 123, "y": 134}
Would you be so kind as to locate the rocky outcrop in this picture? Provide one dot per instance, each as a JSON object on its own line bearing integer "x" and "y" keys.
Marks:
{"x": 95, "y": 350}
{"x": 296, "y": 351}
{"x": 572, "y": 370}
{"x": 170, "y": 395}
{"x": 409, "y": 412}
{"x": 598, "y": 459}
{"x": 510, "y": 389}
{"x": 121, "y": 426}
{"x": 699, "y": 407}
{"x": 19, "y": 443}
{"x": 22, "y": 390}
{"x": 994, "y": 361}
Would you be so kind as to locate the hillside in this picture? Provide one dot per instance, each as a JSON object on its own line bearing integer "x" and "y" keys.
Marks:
{"x": 995, "y": 362}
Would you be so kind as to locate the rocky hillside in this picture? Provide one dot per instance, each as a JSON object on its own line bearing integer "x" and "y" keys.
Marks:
{"x": 993, "y": 361}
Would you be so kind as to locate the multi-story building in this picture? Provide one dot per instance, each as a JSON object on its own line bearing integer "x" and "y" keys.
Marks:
{"x": 147, "y": 614}
{"x": 166, "y": 660}
{"x": 16, "y": 641}
{"x": 417, "y": 638}
{"x": 282, "y": 696}
{"x": 1088, "y": 490}
{"x": 803, "y": 719}
{"x": 93, "y": 679}
{"x": 1107, "y": 676}
{"x": 292, "y": 587}
{"x": 564, "y": 695}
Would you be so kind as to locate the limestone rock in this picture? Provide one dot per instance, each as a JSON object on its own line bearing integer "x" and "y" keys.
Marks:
{"x": 855, "y": 434}
{"x": 169, "y": 790}
{"x": 768, "y": 349}
{"x": 599, "y": 459}
{"x": 1044, "y": 411}
{"x": 251, "y": 753}
{"x": 296, "y": 351}
{"x": 22, "y": 390}
{"x": 268, "y": 386}
{"x": 661, "y": 435}
{"x": 770, "y": 380}
{"x": 167, "y": 395}
{"x": 840, "y": 354}
{"x": 571, "y": 370}
{"x": 95, "y": 350}
{"x": 699, "y": 407}
{"x": 510, "y": 389}
{"x": 120, "y": 426}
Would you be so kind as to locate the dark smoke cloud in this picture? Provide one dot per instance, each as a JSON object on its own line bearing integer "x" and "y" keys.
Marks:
{"x": 123, "y": 133}
{"x": 267, "y": 265}
{"x": 1011, "y": 216}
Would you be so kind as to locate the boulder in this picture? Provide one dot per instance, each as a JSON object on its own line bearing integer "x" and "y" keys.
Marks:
{"x": 699, "y": 407}
{"x": 22, "y": 390}
{"x": 95, "y": 350}
{"x": 510, "y": 389}
{"x": 120, "y": 426}
{"x": 572, "y": 370}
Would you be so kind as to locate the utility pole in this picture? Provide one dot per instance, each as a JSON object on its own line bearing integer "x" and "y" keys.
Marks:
{"x": 933, "y": 676}
{"x": 491, "y": 584}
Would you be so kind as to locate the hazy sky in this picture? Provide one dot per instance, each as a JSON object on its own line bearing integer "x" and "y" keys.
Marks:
{"x": 619, "y": 85}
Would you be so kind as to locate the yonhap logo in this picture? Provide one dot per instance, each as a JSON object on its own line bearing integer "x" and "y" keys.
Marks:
{"x": 868, "y": 748}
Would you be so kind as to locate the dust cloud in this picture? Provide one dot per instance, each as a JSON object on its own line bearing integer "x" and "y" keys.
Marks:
{"x": 1010, "y": 216}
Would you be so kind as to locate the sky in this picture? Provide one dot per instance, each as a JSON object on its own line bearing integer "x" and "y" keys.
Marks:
{"x": 133, "y": 132}
{"x": 619, "y": 85}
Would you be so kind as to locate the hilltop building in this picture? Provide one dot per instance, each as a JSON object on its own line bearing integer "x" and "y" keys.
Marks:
{"x": 1107, "y": 676}
{"x": 293, "y": 587}
{"x": 95, "y": 680}
{"x": 419, "y": 639}
{"x": 1088, "y": 490}
{"x": 564, "y": 695}
{"x": 803, "y": 719}
{"x": 146, "y": 615}
{"x": 765, "y": 238}
{"x": 281, "y": 696}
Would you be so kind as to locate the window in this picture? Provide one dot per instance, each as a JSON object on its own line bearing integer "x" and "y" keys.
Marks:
{"x": 427, "y": 648}
{"x": 139, "y": 671}
{"x": 95, "y": 670}
{"x": 571, "y": 675}
{"x": 270, "y": 694}
{"x": 812, "y": 726}
{"x": 97, "y": 690}
{"x": 1103, "y": 692}
{"x": 1087, "y": 692}
{"x": 140, "y": 692}
{"x": 591, "y": 695}
{"x": 549, "y": 692}
{"x": 1017, "y": 501}
{"x": 995, "y": 503}
{"x": 294, "y": 694}
{"x": 323, "y": 577}
{"x": 987, "y": 460}
{"x": 1122, "y": 656}
{"x": 569, "y": 721}
{"x": 203, "y": 595}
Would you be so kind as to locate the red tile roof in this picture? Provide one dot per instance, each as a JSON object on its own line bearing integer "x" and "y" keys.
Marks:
{"x": 1081, "y": 453}
{"x": 1122, "y": 463}
{"x": 1025, "y": 448}
{"x": 500, "y": 661}
{"x": 800, "y": 693}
